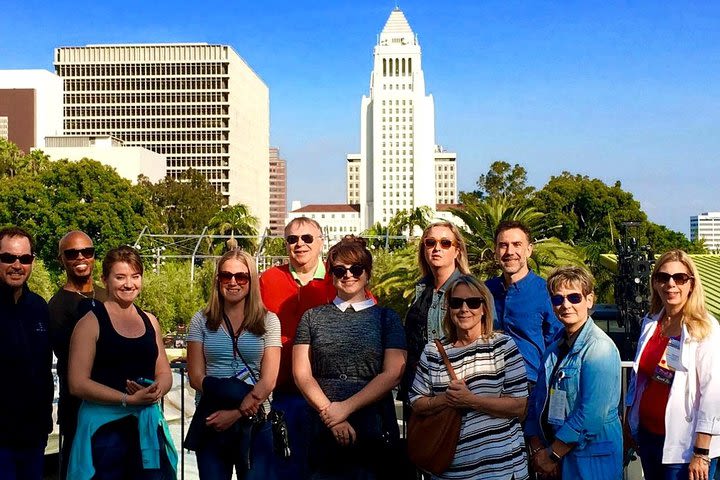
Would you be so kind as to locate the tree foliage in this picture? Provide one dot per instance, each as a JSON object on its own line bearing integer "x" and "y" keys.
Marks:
{"x": 236, "y": 220}
{"x": 501, "y": 180}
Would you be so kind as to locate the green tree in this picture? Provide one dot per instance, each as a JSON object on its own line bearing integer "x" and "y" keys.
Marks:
{"x": 11, "y": 158}
{"x": 410, "y": 221}
{"x": 40, "y": 281}
{"x": 501, "y": 180}
{"x": 187, "y": 204}
{"x": 236, "y": 220}
{"x": 378, "y": 236}
{"x": 394, "y": 276}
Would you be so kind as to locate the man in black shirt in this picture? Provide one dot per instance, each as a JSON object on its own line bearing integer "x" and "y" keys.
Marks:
{"x": 26, "y": 358}
{"x": 77, "y": 255}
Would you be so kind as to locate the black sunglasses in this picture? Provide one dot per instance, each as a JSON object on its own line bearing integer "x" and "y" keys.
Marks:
{"x": 679, "y": 278}
{"x": 293, "y": 239}
{"x": 445, "y": 243}
{"x": 573, "y": 298}
{"x": 9, "y": 258}
{"x": 241, "y": 278}
{"x": 74, "y": 253}
{"x": 355, "y": 270}
{"x": 471, "y": 302}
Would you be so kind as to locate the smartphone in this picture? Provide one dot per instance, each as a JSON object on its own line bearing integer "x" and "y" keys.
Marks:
{"x": 145, "y": 382}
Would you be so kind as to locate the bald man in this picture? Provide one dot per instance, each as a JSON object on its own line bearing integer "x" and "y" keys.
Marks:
{"x": 77, "y": 256}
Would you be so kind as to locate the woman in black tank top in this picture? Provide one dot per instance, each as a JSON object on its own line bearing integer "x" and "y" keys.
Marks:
{"x": 119, "y": 368}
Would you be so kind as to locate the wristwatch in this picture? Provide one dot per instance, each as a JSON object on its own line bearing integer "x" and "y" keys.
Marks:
{"x": 554, "y": 457}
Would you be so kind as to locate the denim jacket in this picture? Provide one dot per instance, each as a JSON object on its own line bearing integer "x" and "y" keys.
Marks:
{"x": 590, "y": 377}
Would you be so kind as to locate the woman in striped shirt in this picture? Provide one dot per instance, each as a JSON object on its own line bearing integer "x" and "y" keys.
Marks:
{"x": 491, "y": 390}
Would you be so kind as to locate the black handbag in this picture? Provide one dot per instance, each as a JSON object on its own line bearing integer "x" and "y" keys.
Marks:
{"x": 278, "y": 424}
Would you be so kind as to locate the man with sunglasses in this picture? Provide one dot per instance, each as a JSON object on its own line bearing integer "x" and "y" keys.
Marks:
{"x": 26, "y": 357}
{"x": 288, "y": 291}
{"x": 77, "y": 256}
{"x": 522, "y": 302}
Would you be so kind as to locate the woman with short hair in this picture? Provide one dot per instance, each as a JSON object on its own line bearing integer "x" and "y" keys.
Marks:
{"x": 348, "y": 356}
{"x": 491, "y": 389}
{"x": 674, "y": 399}
{"x": 573, "y": 422}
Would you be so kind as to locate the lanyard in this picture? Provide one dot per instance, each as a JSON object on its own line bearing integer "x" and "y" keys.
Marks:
{"x": 236, "y": 349}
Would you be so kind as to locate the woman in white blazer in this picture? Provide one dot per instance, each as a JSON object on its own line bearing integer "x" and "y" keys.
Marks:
{"x": 673, "y": 400}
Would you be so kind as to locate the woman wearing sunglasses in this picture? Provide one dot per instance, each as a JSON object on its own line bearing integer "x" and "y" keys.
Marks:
{"x": 233, "y": 361}
{"x": 673, "y": 399}
{"x": 573, "y": 421}
{"x": 348, "y": 356}
{"x": 118, "y": 367}
{"x": 491, "y": 390}
{"x": 442, "y": 257}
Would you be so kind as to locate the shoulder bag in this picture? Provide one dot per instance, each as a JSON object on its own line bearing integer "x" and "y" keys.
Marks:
{"x": 433, "y": 439}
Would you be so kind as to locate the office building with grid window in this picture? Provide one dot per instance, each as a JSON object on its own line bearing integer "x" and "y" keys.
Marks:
{"x": 706, "y": 226}
{"x": 278, "y": 192}
{"x": 200, "y": 105}
{"x": 399, "y": 167}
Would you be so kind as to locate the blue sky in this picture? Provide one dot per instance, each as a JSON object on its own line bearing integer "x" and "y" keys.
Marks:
{"x": 616, "y": 90}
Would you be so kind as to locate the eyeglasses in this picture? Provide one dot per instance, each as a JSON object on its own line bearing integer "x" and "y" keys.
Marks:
{"x": 293, "y": 239}
{"x": 339, "y": 271}
{"x": 573, "y": 298}
{"x": 679, "y": 278}
{"x": 9, "y": 258}
{"x": 445, "y": 243}
{"x": 74, "y": 253}
{"x": 241, "y": 278}
{"x": 471, "y": 302}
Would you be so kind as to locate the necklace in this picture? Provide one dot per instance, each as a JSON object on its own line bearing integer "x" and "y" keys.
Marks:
{"x": 89, "y": 297}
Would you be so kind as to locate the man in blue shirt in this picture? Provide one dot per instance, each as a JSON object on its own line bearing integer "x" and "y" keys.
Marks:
{"x": 522, "y": 302}
{"x": 26, "y": 403}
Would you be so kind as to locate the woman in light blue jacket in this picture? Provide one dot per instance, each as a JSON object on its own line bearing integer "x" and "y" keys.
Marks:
{"x": 573, "y": 421}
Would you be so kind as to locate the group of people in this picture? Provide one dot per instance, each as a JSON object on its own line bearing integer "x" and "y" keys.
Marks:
{"x": 538, "y": 384}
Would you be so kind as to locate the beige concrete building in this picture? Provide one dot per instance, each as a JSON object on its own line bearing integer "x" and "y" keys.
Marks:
{"x": 199, "y": 105}
{"x": 445, "y": 176}
{"x": 278, "y": 192}
{"x": 129, "y": 162}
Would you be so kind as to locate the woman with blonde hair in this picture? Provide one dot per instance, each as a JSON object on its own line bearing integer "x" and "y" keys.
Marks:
{"x": 673, "y": 401}
{"x": 442, "y": 256}
{"x": 233, "y": 361}
{"x": 490, "y": 390}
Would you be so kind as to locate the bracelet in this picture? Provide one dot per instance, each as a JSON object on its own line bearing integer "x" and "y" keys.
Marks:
{"x": 534, "y": 451}
{"x": 704, "y": 458}
{"x": 123, "y": 399}
{"x": 701, "y": 451}
{"x": 554, "y": 457}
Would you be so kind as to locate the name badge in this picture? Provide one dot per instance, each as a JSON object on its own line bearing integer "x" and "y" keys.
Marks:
{"x": 557, "y": 407}
{"x": 672, "y": 354}
{"x": 244, "y": 375}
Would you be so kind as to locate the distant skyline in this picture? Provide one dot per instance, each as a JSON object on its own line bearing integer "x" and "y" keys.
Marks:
{"x": 613, "y": 90}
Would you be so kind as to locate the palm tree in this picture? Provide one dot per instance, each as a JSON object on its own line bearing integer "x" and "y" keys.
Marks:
{"x": 407, "y": 220}
{"x": 481, "y": 219}
{"x": 394, "y": 276}
{"x": 235, "y": 220}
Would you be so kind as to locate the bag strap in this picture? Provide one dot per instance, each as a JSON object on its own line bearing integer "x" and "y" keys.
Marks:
{"x": 236, "y": 349}
{"x": 446, "y": 360}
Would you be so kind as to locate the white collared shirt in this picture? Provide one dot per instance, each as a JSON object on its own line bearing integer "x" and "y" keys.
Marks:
{"x": 357, "y": 306}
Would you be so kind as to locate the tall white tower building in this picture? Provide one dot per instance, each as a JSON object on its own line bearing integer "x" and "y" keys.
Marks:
{"x": 395, "y": 169}
{"x": 706, "y": 226}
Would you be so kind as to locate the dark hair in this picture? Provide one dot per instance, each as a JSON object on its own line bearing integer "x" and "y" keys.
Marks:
{"x": 351, "y": 250}
{"x": 18, "y": 232}
{"x": 511, "y": 224}
{"x": 122, "y": 254}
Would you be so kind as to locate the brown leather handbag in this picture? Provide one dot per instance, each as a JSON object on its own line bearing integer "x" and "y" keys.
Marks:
{"x": 433, "y": 439}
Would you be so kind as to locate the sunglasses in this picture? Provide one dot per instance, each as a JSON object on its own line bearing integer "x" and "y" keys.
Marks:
{"x": 74, "y": 253}
{"x": 445, "y": 243}
{"x": 9, "y": 258}
{"x": 293, "y": 239}
{"x": 339, "y": 271}
{"x": 471, "y": 302}
{"x": 241, "y": 278}
{"x": 679, "y": 278}
{"x": 573, "y": 298}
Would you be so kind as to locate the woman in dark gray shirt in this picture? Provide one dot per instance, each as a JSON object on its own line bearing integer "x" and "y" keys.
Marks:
{"x": 348, "y": 356}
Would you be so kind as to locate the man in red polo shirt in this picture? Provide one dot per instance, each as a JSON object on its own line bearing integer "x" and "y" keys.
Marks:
{"x": 288, "y": 291}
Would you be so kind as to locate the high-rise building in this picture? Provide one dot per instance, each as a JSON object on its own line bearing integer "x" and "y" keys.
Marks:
{"x": 278, "y": 192}
{"x": 199, "y": 105}
{"x": 30, "y": 107}
{"x": 706, "y": 226}
{"x": 397, "y": 168}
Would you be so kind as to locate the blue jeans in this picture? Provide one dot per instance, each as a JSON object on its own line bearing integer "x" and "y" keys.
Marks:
{"x": 297, "y": 415}
{"x": 22, "y": 463}
{"x": 116, "y": 453}
{"x": 214, "y": 463}
{"x": 650, "y": 449}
